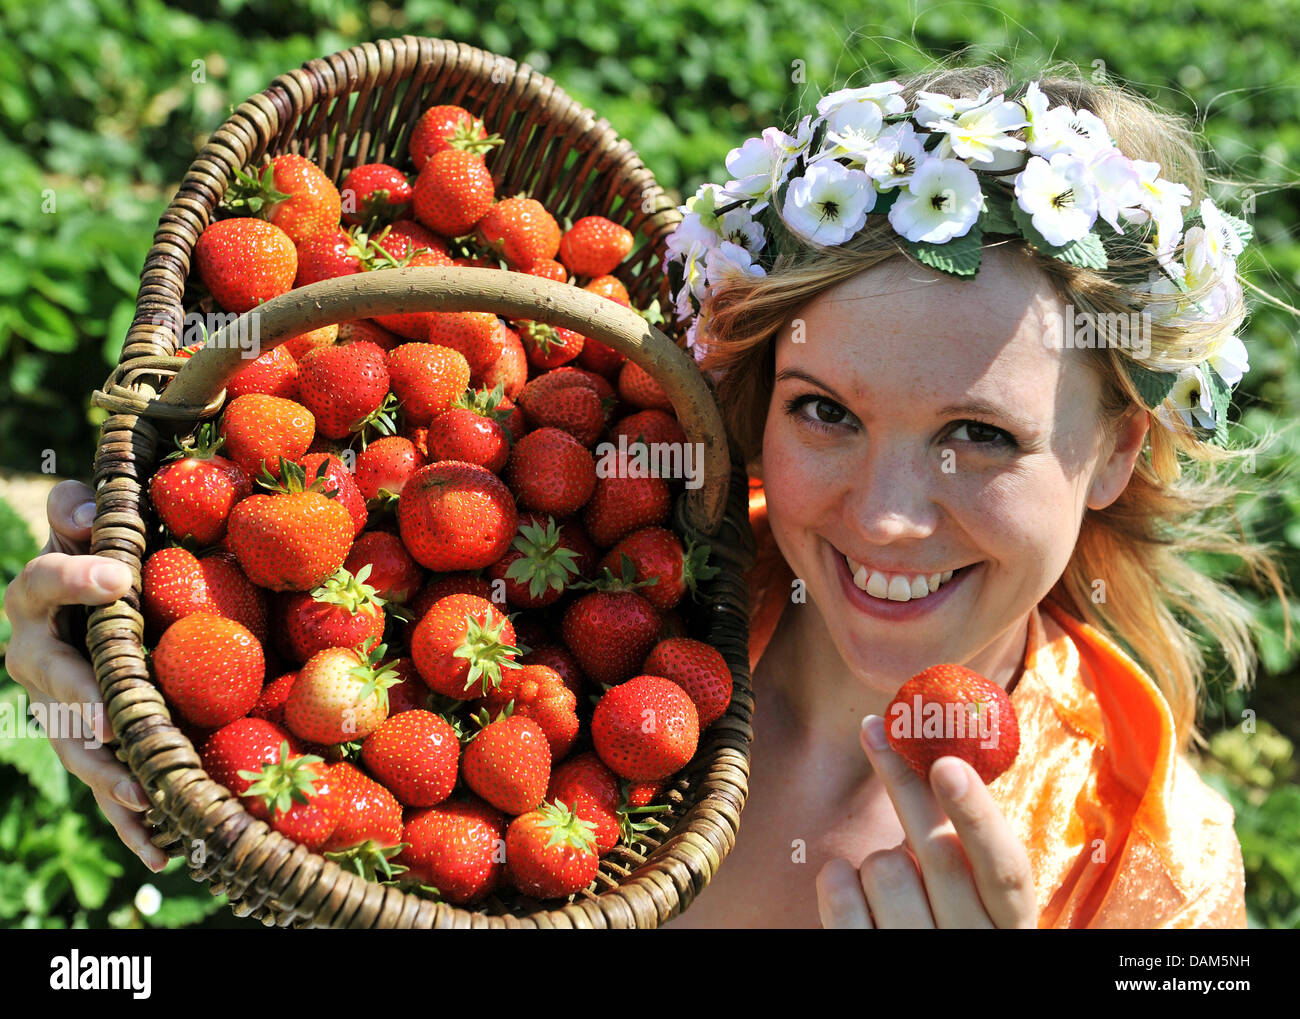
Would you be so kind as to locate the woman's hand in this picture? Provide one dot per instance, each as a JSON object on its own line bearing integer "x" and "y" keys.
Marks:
{"x": 53, "y": 672}
{"x": 959, "y": 866}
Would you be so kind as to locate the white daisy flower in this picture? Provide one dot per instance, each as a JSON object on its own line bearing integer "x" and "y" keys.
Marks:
{"x": 762, "y": 164}
{"x": 829, "y": 203}
{"x": 739, "y": 227}
{"x": 1230, "y": 359}
{"x": 729, "y": 258}
{"x": 1191, "y": 399}
{"x": 885, "y": 96}
{"x": 932, "y": 107}
{"x": 689, "y": 232}
{"x": 1060, "y": 196}
{"x": 1062, "y": 129}
{"x": 1118, "y": 185}
{"x": 940, "y": 202}
{"x": 1220, "y": 240}
{"x": 694, "y": 281}
{"x": 895, "y": 155}
{"x": 983, "y": 134}
{"x": 1162, "y": 200}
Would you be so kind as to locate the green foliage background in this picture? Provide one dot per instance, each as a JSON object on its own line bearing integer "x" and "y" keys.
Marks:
{"x": 100, "y": 114}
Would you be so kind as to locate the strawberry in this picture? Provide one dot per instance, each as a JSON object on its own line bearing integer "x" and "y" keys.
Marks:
{"x": 335, "y": 476}
{"x": 555, "y": 657}
{"x": 393, "y": 573}
{"x": 175, "y": 585}
{"x": 461, "y": 645}
{"x": 293, "y": 193}
{"x": 611, "y": 287}
{"x": 329, "y": 254}
{"x": 639, "y": 388}
{"x": 243, "y": 745}
{"x": 508, "y": 763}
{"x": 538, "y": 692}
{"x": 456, "y": 516}
{"x": 547, "y": 268}
{"x": 259, "y": 429}
{"x": 656, "y": 552}
{"x": 369, "y": 832}
{"x": 646, "y": 728}
{"x": 210, "y": 668}
{"x": 538, "y": 566}
{"x": 406, "y": 237}
{"x": 370, "y": 331}
{"x": 651, "y": 427}
{"x": 623, "y": 503}
{"x": 274, "y": 373}
{"x": 385, "y": 465}
{"x": 244, "y": 262}
{"x": 293, "y": 540}
{"x": 697, "y": 668}
{"x": 949, "y": 710}
{"x": 297, "y": 794}
{"x": 410, "y": 693}
{"x": 594, "y": 246}
{"x": 414, "y": 325}
{"x": 586, "y": 785}
{"x": 194, "y": 495}
{"x": 521, "y": 231}
{"x": 550, "y": 853}
{"x": 457, "y": 847}
{"x": 597, "y": 357}
{"x": 453, "y": 192}
{"x": 303, "y": 342}
{"x": 478, "y": 335}
{"x": 340, "y": 694}
{"x": 449, "y": 127}
{"x": 452, "y": 583}
{"x": 270, "y": 702}
{"x": 343, "y": 612}
{"x": 552, "y": 472}
{"x": 548, "y": 346}
{"x": 375, "y": 192}
{"x": 509, "y": 370}
{"x": 427, "y": 379}
{"x": 472, "y": 431}
{"x": 415, "y": 753}
{"x": 610, "y": 633}
{"x": 565, "y": 398}
{"x": 343, "y": 386}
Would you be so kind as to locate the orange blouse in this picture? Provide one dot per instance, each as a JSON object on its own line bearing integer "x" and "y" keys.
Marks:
{"x": 1120, "y": 830}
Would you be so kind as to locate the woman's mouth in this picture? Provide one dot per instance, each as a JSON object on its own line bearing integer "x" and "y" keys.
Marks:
{"x": 897, "y": 596}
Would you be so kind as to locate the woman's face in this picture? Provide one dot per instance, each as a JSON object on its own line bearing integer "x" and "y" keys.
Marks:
{"x": 921, "y": 424}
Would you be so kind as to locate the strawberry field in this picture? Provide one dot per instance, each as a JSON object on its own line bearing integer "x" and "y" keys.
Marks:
{"x": 102, "y": 107}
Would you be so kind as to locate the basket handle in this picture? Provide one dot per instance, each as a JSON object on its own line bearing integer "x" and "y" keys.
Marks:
{"x": 511, "y": 294}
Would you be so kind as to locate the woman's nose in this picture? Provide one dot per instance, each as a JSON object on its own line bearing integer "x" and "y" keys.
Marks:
{"x": 890, "y": 495}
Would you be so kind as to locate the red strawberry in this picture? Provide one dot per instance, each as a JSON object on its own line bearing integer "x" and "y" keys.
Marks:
{"x": 342, "y": 481}
{"x": 271, "y": 701}
{"x": 641, "y": 794}
{"x": 408, "y": 695}
{"x": 639, "y": 388}
{"x": 585, "y": 784}
{"x": 293, "y": 193}
{"x": 244, "y": 262}
{"x": 558, "y": 658}
{"x": 461, "y": 645}
{"x": 259, "y": 428}
{"x": 649, "y": 426}
{"x": 949, "y": 710}
{"x": 509, "y": 370}
{"x": 538, "y": 692}
{"x": 623, "y": 503}
{"x": 343, "y": 386}
{"x": 548, "y": 268}
{"x": 567, "y": 399}
{"x": 299, "y": 345}
{"x": 175, "y": 585}
{"x": 393, "y": 573}
{"x": 243, "y": 745}
{"x": 195, "y": 494}
{"x": 597, "y": 357}
{"x": 456, "y": 847}
{"x": 210, "y": 668}
{"x": 293, "y": 540}
{"x": 594, "y": 246}
{"x": 340, "y": 694}
{"x": 610, "y": 633}
{"x": 472, "y": 431}
{"x": 274, "y": 373}
{"x": 521, "y": 231}
{"x": 415, "y": 754}
{"x": 369, "y": 831}
{"x": 298, "y": 795}
{"x": 449, "y": 127}
{"x": 343, "y": 612}
{"x": 646, "y": 728}
{"x": 478, "y": 335}
{"x": 405, "y": 237}
{"x": 508, "y": 763}
{"x": 697, "y": 668}
{"x": 551, "y": 471}
{"x": 611, "y": 287}
{"x": 385, "y": 466}
{"x": 538, "y": 567}
{"x": 548, "y": 346}
{"x": 369, "y": 331}
{"x": 452, "y": 583}
{"x": 329, "y": 254}
{"x": 375, "y": 192}
{"x": 456, "y": 516}
{"x": 550, "y": 853}
{"x": 657, "y": 553}
{"x": 453, "y": 192}
{"x": 427, "y": 379}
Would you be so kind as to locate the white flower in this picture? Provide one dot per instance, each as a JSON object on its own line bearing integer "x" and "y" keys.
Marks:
{"x": 1062, "y": 129}
{"x": 829, "y": 203}
{"x": 730, "y": 258}
{"x": 1218, "y": 240}
{"x": 983, "y": 134}
{"x": 1191, "y": 399}
{"x": 739, "y": 227}
{"x": 690, "y": 231}
{"x": 1118, "y": 185}
{"x": 148, "y": 900}
{"x": 1060, "y": 196}
{"x": 895, "y": 155}
{"x": 693, "y": 279}
{"x": 1229, "y": 359}
{"x": 885, "y": 96}
{"x": 762, "y": 164}
{"x": 940, "y": 202}
{"x": 693, "y": 344}
{"x": 1162, "y": 200}
{"x": 932, "y": 107}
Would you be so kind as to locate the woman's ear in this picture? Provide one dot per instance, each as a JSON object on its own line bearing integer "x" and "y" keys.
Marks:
{"x": 1113, "y": 475}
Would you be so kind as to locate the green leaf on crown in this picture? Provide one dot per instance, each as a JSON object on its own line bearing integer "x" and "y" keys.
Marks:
{"x": 885, "y": 199}
{"x": 996, "y": 217}
{"x": 1087, "y": 252}
{"x": 1220, "y": 398}
{"x": 1244, "y": 230}
{"x": 959, "y": 257}
{"x": 1154, "y": 387}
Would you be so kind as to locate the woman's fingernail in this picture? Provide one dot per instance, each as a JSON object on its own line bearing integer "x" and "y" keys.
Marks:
{"x": 951, "y": 780}
{"x": 110, "y": 576}
{"x": 84, "y": 515}
{"x": 874, "y": 727}
{"x": 130, "y": 794}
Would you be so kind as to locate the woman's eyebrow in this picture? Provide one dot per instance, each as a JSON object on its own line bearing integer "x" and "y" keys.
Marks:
{"x": 799, "y": 373}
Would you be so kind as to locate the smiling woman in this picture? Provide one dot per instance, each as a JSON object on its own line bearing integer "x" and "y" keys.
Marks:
{"x": 941, "y": 475}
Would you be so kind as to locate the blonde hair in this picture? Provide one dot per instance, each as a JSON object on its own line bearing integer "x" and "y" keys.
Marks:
{"x": 1140, "y": 544}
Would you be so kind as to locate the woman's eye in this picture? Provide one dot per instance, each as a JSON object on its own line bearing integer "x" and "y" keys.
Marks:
{"x": 818, "y": 410}
{"x": 982, "y": 434}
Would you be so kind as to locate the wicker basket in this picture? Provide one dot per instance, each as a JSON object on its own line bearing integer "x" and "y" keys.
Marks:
{"x": 359, "y": 106}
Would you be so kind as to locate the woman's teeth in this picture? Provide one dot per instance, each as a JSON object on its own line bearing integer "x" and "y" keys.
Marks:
{"x": 896, "y": 586}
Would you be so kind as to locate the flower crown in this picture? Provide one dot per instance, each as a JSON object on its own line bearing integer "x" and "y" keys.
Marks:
{"x": 949, "y": 171}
